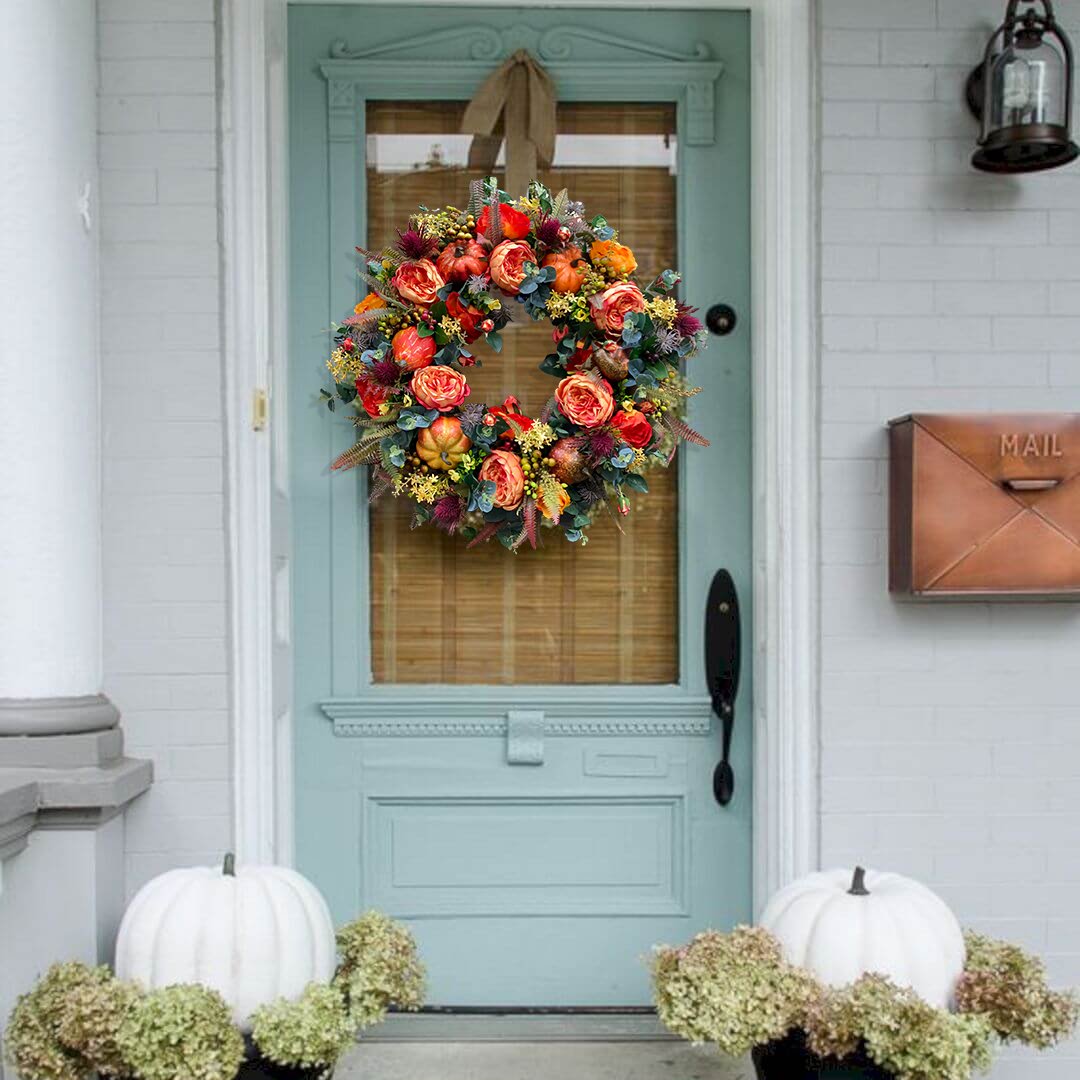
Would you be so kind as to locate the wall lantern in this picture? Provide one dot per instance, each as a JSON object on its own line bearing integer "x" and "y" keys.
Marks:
{"x": 1022, "y": 93}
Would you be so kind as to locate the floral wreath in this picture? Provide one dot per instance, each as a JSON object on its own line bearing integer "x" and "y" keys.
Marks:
{"x": 486, "y": 471}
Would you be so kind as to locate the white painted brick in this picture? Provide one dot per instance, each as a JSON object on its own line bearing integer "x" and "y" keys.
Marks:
{"x": 919, "y": 120}
{"x": 848, "y": 262}
{"x": 182, "y": 295}
{"x": 870, "y": 84}
{"x": 935, "y": 333}
{"x": 159, "y": 260}
{"x": 165, "y": 224}
{"x": 1065, "y": 369}
{"x": 997, "y": 227}
{"x": 166, "y": 11}
{"x": 166, "y": 149}
{"x": 934, "y": 47}
{"x": 1064, "y": 298}
{"x": 131, "y": 40}
{"x": 851, "y": 118}
{"x": 843, "y": 332}
{"x": 853, "y": 440}
{"x": 989, "y": 368}
{"x": 988, "y": 298}
{"x": 860, "y": 47}
{"x": 934, "y": 262}
{"x": 126, "y": 114}
{"x": 859, "y": 13}
{"x": 880, "y": 298}
{"x": 843, "y": 405}
{"x": 877, "y": 369}
{"x": 1047, "y": 333}
{"x": 187, "y": 112}
{"x": 877, "y": 156}
{"x": 1065, "y": 227}
{"x": 853, "y": 192}
{"x": 187, "y": 185}
{"x": 157, "y": 76}
{"x": 125, "y": 186}
{"x": 878, "y": 226}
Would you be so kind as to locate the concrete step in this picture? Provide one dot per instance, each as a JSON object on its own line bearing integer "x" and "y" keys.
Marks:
{"x": 548, "y": 1060}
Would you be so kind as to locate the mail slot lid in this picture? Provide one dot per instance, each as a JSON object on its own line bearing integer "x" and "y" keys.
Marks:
{"x": 985, "y": 505}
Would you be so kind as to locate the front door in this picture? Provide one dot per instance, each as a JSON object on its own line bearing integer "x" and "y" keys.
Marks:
{"x": 515, "y": 753}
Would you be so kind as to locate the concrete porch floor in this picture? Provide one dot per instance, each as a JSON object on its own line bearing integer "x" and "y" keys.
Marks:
{"x": 637, "y": 1060}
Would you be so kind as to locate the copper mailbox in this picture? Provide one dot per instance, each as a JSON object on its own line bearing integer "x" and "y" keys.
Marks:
{"x": 985, "y": 505}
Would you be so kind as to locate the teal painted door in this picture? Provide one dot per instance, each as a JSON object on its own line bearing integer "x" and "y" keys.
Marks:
{"x": 514, "y": 754}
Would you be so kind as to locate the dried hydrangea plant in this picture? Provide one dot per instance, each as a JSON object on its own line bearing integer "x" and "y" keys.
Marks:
{"x": 33, "y": 1044}
{"x": 734, "y": 990}
{"x": 91, "y": 1019}
{"x": 311, "y": 1032}
{"x": 1008, "y": 987}
{"x": 379, "y": 967}
{"x": 181, "y": 1031}
{"x": 898, "y": 1030}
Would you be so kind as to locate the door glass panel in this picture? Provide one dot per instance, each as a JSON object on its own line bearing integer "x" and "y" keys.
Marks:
{"x": 603, "y": 613}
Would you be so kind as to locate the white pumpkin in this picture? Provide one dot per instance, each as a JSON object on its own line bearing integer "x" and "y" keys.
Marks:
{"x": 253, "y": 934}
{"x": 841, "y": 926}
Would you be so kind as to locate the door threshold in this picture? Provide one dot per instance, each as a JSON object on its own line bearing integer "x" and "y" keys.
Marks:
{"x": 513, "y": 1024}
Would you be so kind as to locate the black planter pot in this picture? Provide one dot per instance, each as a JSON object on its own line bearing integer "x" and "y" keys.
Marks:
{"x": 790, "y": 1059}
{"x": 256, "y": 1067}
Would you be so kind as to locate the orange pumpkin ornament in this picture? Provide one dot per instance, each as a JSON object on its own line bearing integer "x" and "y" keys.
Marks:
{"x": 569, "y": 269}
{"x": 443, "y": 444}
{"x": 462, "y": 260}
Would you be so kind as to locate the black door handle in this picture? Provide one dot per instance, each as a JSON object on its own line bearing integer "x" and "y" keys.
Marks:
{"x": 723, "y": 663}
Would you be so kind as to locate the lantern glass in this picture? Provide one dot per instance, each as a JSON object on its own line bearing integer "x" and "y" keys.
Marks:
{"x": 1027, "y": 85}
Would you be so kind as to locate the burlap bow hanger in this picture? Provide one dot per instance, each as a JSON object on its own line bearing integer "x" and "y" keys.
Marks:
{"x": 523, "y": 93}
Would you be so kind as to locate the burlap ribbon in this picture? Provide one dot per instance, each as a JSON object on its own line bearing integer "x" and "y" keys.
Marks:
{"x": 523, "y": 93}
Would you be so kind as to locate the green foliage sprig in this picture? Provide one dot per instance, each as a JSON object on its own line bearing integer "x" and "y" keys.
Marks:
{"x": 181, "y": 1031}
{"x": 1008, "y": 987}
{"x": 737, "y": 991}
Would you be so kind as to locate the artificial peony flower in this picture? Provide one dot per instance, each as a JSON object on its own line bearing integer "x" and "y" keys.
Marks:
{"x": 515, "y": 224}
{"x": 503, "y": 469}
{"x": 507, "y": 264}
{"x": 585, "y": 400}
{"x": 418, "y": 281}
{"x": 441, "y": 387}
{"x": 610, "y": 308}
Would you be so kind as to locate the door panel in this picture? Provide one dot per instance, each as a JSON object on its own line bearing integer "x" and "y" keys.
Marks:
{"x": 426, "y": 675}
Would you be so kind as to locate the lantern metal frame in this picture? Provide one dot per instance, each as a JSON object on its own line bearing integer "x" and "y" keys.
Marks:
{"x": 1054, "y": 141}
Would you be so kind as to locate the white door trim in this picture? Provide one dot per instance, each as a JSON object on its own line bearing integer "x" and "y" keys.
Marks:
{"x": 783, "y": 204}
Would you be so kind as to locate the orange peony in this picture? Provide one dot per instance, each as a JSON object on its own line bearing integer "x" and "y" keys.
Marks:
{"x": 585, "y": 400}
{"x": 370, "y": 302}
{"x": 418, "y": 281}
{"x": 610, "y": 308}
{"x": 515, "y": 224}
{"x": 412, "y": 350}
{"x": 507, "y": 264}
{"x": 617, "y": 258}
{"x": 503, "y": 469}
{"x": 440, "y": 387}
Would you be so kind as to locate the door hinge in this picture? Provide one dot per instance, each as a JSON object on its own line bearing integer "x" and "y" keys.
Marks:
{"x": 260, "y": 409}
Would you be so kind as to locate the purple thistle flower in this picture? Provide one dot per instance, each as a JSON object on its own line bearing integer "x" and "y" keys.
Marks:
{"x": 685, "y": 322}
{"x": 667, "y": 341}
{"x": 414, "y": 244}
{"x": 547, "y": 232}
{"x": 471, "y": 415}
{"x": 601, "y": 446}
{"x": 386, "y": 372}
{"x": 448, "y": 512}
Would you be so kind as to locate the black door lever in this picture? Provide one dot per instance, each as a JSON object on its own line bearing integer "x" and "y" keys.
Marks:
{"x": 723, "y": 662}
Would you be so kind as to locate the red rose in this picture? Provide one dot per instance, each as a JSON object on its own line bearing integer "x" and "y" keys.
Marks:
{"x": 413, "y": 350}
{"x": 467, "y": 316}
{"x": 585, "y": 400}
{"x": 508, "y": 411}
{"x": 507, "y": 264}
{"x": 503, "y": 469}
{"x": 442, "y": 388}
{"x": 635, "y": 430}
{"x": 515, "y": 224}
{"x": 418, "y": 281}
{"x": 372, "y": 394}
{"x": 610, "y": 308}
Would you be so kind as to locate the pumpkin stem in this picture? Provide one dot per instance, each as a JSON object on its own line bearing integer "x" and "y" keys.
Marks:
{"x": 858, "y": 883}
{"x": 228, "y": 869}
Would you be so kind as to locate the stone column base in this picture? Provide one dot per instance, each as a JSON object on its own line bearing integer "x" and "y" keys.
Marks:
{"x": 57, "y": 716}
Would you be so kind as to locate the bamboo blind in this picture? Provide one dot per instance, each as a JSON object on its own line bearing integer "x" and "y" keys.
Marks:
{"x": 603, "y": 613}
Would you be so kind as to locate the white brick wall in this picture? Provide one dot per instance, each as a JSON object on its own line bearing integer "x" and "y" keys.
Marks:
{"x": 951, "y": 741}
{"x": 164, "y": 548}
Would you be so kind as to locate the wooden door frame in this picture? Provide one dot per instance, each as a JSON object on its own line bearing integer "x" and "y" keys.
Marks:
{"x": 785, "y": 421}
